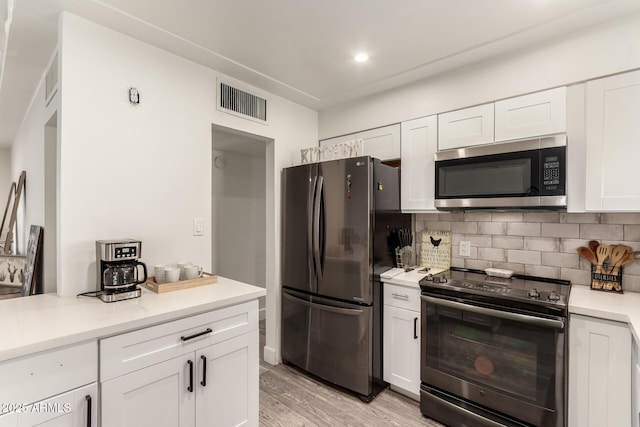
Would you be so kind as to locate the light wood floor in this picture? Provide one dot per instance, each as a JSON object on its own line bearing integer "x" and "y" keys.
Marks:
{"x": 290, "y": 398}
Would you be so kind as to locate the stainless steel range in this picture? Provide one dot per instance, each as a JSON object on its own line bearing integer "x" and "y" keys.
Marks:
{"x": 493, "y": 350}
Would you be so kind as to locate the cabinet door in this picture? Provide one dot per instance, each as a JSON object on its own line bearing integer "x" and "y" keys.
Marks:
{"x": 401, "y": 349}
{"x": 76, "y": 408}
{"x": 599, "y": 380}
{"x": 228, "y": 388}
{"x": 418, "y": 148}
{"x": 9, "y": 420}
{"x": 536, "y": 114}
{"x": 465, "y": 128}
{"x": 154, "y": 396}
{"x": 382, "y": 143}
{"x": 613, "y": 132}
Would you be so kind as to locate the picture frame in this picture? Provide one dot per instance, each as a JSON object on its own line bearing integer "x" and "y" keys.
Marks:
{"x": 12, "y": 270}
{"x": 32, "y": 263}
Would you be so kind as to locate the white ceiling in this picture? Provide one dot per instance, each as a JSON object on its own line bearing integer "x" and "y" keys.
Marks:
{"x": 301, "y": 49}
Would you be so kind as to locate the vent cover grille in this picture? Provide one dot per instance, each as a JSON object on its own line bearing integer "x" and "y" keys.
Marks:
{"x": 241, "y": 102}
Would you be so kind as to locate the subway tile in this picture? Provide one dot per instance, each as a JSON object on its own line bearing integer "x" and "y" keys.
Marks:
{"x": 506, "y": 216}
{"x": 516, "y": 268}
{"x": 523, "y": 229}
{"x": 575, "y": 276}
{"x": 426, "y": 216}
{"x": 631, "y": 233}
{"x": 524, "y": 257}
{"x": 542, "y": 271}
{"x": 437, "y": 226}
{"x": 491, "y": 254}
{"x": 542, "y": 217}
{"x": 477, "y": 264}
{"x": 630, "y": 283}
{"x": 632, "y": 268}
{"x": 477, "y": 240}
{"x": 508, "y": 242}
{"x": 571, "y": 245}
{"x": 579, "y": 218}
{"x": 560, "y": 230}
{"x": 560, "y": 260}
{"x": 464, "y": 227}
{"x": 542, "y": 244}
{"x": 477, "y": 216}
{"x": 583, "y": 264}
{"x": 601, "y": 231}
{"x": 457, "y": 262}
{"x": 620, "y": 218}
{"x": 493, "y": 228}
{"x": 451, "y": 216}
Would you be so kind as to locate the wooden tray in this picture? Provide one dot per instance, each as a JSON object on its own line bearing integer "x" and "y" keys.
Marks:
{"x": 160, "y": 288}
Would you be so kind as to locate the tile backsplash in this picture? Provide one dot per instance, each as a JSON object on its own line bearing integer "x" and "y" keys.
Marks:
{"x": 535, "y": 243}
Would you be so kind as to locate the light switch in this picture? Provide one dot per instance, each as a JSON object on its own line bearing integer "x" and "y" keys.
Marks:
{"x": 198, "y": 227}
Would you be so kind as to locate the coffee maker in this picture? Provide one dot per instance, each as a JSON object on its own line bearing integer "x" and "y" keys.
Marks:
{"x": 118, "y": 267}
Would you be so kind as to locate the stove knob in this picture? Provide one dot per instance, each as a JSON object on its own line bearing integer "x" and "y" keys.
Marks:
{"x": 553, "y": 296}
{"x": 442, "y": 279}
{"x": 534, "y": 294}
{"x": 429, "y": 277}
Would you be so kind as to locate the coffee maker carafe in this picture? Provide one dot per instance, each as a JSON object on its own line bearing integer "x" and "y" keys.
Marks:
{"x": 119, "y": 269}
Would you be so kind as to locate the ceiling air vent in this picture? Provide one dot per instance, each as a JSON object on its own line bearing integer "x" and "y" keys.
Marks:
{"x": 242, "y": 103}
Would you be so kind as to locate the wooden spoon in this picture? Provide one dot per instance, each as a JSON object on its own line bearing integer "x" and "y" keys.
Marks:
{"x": 618, "y": 254}
{"x": 593, "y": 245}
{"x": 587, "y": 254}
{"x": 603, "y": 252}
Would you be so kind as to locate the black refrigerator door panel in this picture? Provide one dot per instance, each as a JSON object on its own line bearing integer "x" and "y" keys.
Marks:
{"x": 298, "y": 188}
{"x": 296, "y": 311}
{"x": 345, "y": 230}
{"x": 340, "y": 344}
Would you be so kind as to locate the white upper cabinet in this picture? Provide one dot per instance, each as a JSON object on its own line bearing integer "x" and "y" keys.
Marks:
{"x": 418, "y": 148}
{"x": 464, "y": 128}
{"x": 540, "y": 113}
{"x": 382, "y": 143}
{"x": 613, "y": 133}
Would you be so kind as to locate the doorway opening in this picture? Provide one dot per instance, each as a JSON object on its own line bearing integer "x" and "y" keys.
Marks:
{"x": 240, "y": 181}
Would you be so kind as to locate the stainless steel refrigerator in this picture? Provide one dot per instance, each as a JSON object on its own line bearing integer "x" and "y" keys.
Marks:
{"x": 339, "y": 232}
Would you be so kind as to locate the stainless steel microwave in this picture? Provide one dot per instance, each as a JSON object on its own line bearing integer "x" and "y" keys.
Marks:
{"x": 527, "y": 173}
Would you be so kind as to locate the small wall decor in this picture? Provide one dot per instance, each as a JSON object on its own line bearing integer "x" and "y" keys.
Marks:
{"x": 134, "y": 96}
{"x": 435, "y": 251}
{"x": 33, "y": 269}
{"x": 12, "y": 269}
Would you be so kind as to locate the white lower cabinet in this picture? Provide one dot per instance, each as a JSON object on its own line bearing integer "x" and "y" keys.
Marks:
{"x": 76, "y": 408}
{"x": 599, "y": 380}
{"x": 635, "y": 385}
{"x": 197, "y": 371}
{"x": 401, "y": 339}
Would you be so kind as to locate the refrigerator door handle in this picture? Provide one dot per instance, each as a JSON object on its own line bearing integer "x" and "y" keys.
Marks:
{"x": 310, "y": 208}
{"x": 316, "y": 228}
{"x": 339, "y": 310}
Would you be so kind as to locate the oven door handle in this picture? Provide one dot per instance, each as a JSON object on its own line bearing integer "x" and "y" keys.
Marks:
{"x": 516, "y": 317}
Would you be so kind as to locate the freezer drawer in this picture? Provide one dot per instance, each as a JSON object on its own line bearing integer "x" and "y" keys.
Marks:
{"x": 338, "y": 342}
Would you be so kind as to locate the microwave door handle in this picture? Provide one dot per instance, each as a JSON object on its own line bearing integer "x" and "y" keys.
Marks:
{"x": 516, "y": 317}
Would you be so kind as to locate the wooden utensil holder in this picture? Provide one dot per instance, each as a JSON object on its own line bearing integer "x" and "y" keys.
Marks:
{"x": 605, "y": 281}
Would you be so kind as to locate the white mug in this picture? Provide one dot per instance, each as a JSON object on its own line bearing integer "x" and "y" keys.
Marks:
{"x": 181, "y": 266}
{"x": 192, "y": 271}
{"x": 171, "y": 274}
{"x": 158, "y": 273}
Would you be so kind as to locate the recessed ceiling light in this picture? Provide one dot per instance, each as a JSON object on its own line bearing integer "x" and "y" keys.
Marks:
{"x": 361, "y": 57}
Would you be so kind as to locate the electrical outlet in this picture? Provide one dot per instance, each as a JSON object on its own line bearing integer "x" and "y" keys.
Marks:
{"x": 465, "y": 248}
{"x": 198, "y": 227}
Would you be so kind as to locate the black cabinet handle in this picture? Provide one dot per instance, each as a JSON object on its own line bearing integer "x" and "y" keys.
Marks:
{"x": 190, "y": 337}
{"x": 203, "y": 383}
{"x": 415, "y": 328}
{"x": 88, "y": 399}
{"x": 190, "y": 388}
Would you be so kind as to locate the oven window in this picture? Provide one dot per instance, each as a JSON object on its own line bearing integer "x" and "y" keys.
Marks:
{"x": 510, "y": 357}
{"x": 504, "y": 177}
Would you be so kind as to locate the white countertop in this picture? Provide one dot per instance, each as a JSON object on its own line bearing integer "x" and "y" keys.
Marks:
{"x": 43, "y": 322}
{"x": 407, "y": 278}
{"x": 618, "y": 307}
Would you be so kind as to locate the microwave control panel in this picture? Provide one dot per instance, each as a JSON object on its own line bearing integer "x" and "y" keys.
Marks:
{"x": 553, "y": 170}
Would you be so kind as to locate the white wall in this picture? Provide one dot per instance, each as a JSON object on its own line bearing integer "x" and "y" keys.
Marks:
{"x": 606, "y": 49}
{"x": 239, "y": 208}
{"x": 145, "y": 171}
{"x": 5, "y": 180}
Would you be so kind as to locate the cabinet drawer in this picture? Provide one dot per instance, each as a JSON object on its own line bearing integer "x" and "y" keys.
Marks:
{"x": 135, "y": 350}
{"x": 402, "y": 297}
{"x": 42, "y": 375}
